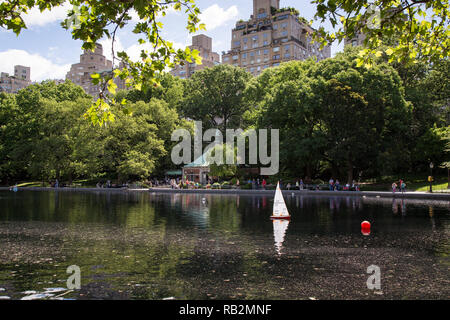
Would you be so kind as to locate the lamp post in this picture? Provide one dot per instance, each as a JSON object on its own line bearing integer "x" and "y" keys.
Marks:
{"x": 431, "y": 177}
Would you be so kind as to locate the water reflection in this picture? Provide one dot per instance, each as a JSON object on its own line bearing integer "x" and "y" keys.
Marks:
{"x": 153, "y": 245}
{"x": 279, "y": 232}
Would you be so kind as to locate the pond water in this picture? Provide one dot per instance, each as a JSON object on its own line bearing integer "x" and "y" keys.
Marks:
{"x": 193, "y": 246}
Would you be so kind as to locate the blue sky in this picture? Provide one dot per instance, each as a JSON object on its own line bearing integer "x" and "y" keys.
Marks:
{"x": 50, "y": 50}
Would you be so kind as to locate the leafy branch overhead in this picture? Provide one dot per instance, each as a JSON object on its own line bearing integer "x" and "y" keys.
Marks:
{"x": 97, "y": 19}
{"x": 407, "y": 30}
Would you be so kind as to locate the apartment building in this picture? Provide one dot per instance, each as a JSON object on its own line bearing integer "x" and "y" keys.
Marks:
{"x": 203, "y": 44}
{"x": 20, "y": 79}
{"x": 356, "y": 41}
{"x": 272, "y": 35}
{"x": 90, "y": 62}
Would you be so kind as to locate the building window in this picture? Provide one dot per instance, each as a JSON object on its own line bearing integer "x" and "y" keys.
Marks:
{"x": 354, "y": 43}
{"x": 245, "y": 40}
{"x": 276, "y": 64}
{"x": 284, "y": 25}
{"x": 276, "y": 49}
{"x": 275, "y": 27}
{"x": 226, "y": 59}
{"x": 237, "y": 43}
{"x": 235, "y": 57}
{"x": 276, "y": 57}
{"x": 245, "y": 47}
{"x": 244, "y": 56}
{"x": 287, "y": 55}
{"x": 262, "y": 15}
{"x": 284, "y": 33}
{"x": 266, "y": 43}
{"x": 252, "y": 54}
{"x": 255, "y": 38}
{"x": 255, "y": 45}
{"x": 286, "y": 47}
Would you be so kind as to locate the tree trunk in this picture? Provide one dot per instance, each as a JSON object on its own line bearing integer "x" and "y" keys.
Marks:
{"x": 308, "y": 177}
{"x": 448, "y": 170}
{"x": 349, "y": 171}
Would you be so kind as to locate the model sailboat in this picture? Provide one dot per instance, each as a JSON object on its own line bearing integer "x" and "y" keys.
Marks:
{"x": 280, "y": 210}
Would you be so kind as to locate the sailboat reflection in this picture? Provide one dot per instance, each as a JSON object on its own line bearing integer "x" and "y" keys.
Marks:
{"x": 279, "y": 232}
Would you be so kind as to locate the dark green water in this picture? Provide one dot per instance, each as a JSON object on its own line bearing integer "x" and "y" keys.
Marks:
{"x": 155, "y": 246}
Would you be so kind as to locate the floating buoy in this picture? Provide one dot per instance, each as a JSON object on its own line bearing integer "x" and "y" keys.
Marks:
{"x": 365, "y": 228}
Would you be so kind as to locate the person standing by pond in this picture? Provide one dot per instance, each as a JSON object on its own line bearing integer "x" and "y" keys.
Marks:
{"x": 394, "y": 187}
{"x": 403, "y": 186}
{"x": 264, "y": 184}
{"x": 331, "y": 184}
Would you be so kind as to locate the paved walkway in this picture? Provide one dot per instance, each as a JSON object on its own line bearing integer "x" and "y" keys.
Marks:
{"x": 375, "y": 194}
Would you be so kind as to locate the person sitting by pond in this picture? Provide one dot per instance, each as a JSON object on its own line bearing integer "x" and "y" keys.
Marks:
{"x": 289, "y": 186}
{"x": 264, "y": 184}
{"x": 302, "y": 185}
{"x": 337, "y": 186}
{"x": 297, "y": 185}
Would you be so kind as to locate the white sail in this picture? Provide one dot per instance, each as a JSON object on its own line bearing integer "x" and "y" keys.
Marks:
{"x": 279, "y": 206}
{"x": 279, "y": 231}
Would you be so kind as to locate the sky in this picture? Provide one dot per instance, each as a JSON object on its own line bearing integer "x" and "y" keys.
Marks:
{"x": 50, "y": 50}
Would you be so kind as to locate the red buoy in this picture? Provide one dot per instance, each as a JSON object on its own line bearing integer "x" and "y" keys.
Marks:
{"x": 365, "y": 228}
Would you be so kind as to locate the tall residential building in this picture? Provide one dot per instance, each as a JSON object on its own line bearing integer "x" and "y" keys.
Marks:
{"x": 203, "y": 44}
{"x": 90, "y": 62}
{"x": 357, "y": 41}
{"x": 20, "y": 80}
{"x": 271, "y": 36}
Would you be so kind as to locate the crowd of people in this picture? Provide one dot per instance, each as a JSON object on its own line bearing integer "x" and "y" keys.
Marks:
{"x": 336, "y": 186}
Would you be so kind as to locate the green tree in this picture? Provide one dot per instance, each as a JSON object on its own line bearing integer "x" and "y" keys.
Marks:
{"x": 411, "y": 29}
{"x": 290, "y": 105}
{"x": 367, "y": 129}
{"x": 215, "y": 96}
{"x": 98, "y": 19}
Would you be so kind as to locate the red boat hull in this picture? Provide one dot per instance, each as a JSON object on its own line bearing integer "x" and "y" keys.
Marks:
{"x": 280, "y": 218}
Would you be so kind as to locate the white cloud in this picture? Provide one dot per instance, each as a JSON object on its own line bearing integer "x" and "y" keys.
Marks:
{"x": 215, "y": 16}
{"x": 35, "y": 17}
{"x": 41, "y": 68}
{"x": 133, "y": 51}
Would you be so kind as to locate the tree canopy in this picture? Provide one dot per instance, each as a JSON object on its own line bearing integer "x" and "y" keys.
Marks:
{"x": 412, "y": 30}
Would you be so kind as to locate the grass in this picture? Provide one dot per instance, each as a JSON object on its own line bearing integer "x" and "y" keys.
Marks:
{"x": 412, "y": 184}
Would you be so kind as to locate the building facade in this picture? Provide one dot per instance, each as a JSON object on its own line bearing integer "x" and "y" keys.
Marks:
{"x": 272, "y": 35}
{"x": 203, "y": 44}
{"x": 20, "y": 80}
{"x": 357, "y": 41}
{"x": 90, "y": 62}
